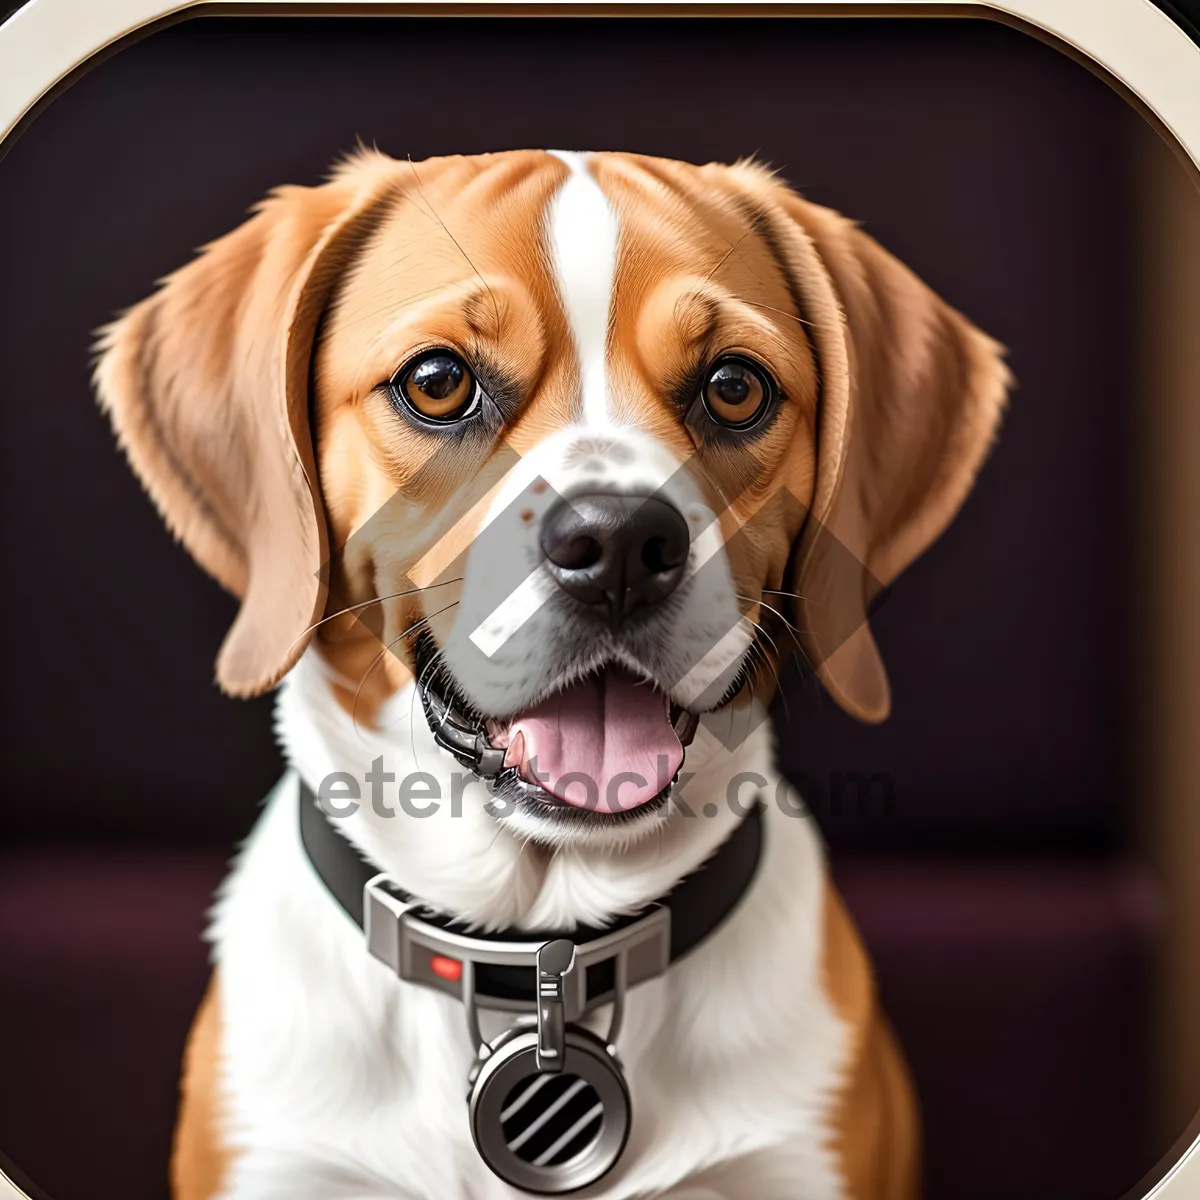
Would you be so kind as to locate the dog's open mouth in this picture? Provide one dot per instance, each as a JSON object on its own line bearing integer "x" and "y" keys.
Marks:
{"x": 607, "y": 746}
{"x": 605, "y": 742}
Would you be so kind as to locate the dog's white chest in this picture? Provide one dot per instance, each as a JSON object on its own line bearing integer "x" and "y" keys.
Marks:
{"x": 344, "y": 1082}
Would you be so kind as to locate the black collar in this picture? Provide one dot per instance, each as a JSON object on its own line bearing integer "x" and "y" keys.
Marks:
{"x": 697, "y": 904}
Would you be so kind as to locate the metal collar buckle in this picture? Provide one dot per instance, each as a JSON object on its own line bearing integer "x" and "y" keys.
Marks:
{"x": 415, "y": 949}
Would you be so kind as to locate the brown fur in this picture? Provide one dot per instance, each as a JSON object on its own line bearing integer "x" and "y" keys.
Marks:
{"x": 892, "y": 400}
{"x": 876, "y": 1133}
{"x": 199, "y": 1159}
{"x": 911, "y": 396}
{"x": 206, "y": 384}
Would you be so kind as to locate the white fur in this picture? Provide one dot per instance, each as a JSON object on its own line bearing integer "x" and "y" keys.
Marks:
{"x": 345, "y": 1082}
{"x": 584, "y": 231}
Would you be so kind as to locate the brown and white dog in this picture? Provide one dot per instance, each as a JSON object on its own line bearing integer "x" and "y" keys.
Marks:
{"x": 360, "y": 408}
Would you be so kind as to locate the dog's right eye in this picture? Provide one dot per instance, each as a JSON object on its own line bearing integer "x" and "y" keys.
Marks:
{"x": 436, "y": 386}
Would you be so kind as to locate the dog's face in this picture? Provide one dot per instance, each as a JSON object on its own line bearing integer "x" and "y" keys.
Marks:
{"x": 580, "y": 444}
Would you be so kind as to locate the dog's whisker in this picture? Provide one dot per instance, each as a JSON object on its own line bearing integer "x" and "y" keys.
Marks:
{"x": 350, "y": 608}
{"x": 780, "y": 311}
{"x": 795, "y": 596}
{"x": 797, "y": 643}
{"x": 771, "y": 609}
{"x": 495, "y": 305}
{"x": 763, "y": 604}
{"x": 386, "y": 650}
{"x": 728, "y": 253}
{"x": 755, "y": 646}
{"x": 435, "y": 664}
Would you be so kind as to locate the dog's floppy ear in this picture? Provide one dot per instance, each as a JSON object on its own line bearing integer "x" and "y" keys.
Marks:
{"x": 911, "y": 394}
{"x": 206, "y": 382}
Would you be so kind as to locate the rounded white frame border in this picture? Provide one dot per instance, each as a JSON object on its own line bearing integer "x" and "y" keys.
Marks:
{"x": 1135, "y": 42}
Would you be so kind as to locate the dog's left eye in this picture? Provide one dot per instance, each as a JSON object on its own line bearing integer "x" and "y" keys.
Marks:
{"x": 437, "y": 386}
{"x": 737, "y": 392}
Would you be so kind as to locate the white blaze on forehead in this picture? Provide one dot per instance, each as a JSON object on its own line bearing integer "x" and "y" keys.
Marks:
{"x": 583, "y": 232}
{"x": 583, "y": 241}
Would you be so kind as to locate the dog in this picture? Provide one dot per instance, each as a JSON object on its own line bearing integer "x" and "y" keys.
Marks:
{"x": 539, "y": 460}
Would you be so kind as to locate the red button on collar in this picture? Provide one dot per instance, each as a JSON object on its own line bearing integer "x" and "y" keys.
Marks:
{"x": 449, "y": 969}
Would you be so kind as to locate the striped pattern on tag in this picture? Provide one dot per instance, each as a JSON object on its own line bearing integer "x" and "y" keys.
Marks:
{"x": 548, "y": 1120}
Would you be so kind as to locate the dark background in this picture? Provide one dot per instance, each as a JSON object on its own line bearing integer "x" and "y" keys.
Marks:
{"x": 992, "y": 877}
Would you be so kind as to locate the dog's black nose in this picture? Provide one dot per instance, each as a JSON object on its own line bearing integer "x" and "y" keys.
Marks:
{"x": 616, "y": 553}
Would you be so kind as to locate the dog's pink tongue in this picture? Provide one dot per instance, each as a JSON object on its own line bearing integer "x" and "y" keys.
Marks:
{"x": 605, "y": 743}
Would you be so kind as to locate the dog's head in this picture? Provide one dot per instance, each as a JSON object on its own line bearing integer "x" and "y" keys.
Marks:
{"x": 584, "y": 441}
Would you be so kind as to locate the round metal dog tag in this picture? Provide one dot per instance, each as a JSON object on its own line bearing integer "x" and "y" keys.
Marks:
{"x": 550, "y": 1132}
